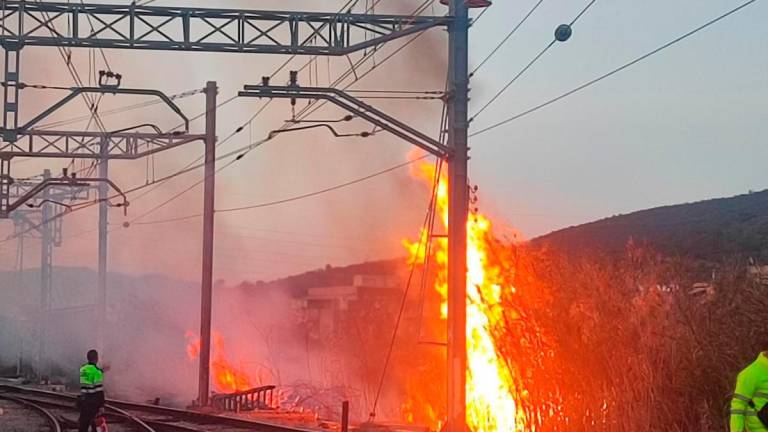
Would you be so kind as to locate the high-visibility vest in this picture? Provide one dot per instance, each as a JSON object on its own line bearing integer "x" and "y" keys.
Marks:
{"x": 751, "y": 385}
{"x": 91, "y": 379}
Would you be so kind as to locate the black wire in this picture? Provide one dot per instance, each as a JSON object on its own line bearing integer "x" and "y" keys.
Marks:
{"x": 512, "y": 81}
{"x": 323, "y": 191}
{"x": 423, "y": 240}
{"x": 614, "y": 71}
{"x": 119, "y": 110}
{"x": 506, "y": 38}
{"x": 245, "y": 149}
{"x": 291, "y": 199}
{"x": 528, "y": 66}
{"x": 303, "y": 113}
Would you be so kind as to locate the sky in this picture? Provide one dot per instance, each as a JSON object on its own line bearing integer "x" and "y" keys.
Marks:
{"x": 684, "y": 125}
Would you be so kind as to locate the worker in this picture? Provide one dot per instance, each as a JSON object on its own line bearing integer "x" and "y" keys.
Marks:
{"x": 91, "y": 398}
{"x": 750, "y": 396}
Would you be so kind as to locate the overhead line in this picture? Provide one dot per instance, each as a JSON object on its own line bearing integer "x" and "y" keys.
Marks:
{"x": 506, "y": 38}
{"x": 322, "y": 191}
{"x": 614, "y": 71}
{"x": 528, "y": 66}
{"x": 302, "y": 114}
{"x": 246, "y": 149}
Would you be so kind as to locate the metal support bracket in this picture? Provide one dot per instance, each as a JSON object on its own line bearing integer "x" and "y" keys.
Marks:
{"x": 76, "y": 91}
{"x": 354, "y": 106}
{"x": 47, "y": 183}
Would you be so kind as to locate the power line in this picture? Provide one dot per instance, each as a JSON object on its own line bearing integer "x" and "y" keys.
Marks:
{"x": 243, "y": 150}
{"x": 322, "y": 191}
{"x": 506, "y": 38}
{"x": 301, "y": 115}
{"x": 249, "y": 122}
{"x": 280, "y": 201}
{"x": 118, "y": 110}
{"x": 529, "y": 65}
{"x": 614, "y": 71}
{"x": 424, "y": 240}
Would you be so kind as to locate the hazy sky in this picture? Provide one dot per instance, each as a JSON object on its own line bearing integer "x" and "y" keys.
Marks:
{"x": 687, "y": 124}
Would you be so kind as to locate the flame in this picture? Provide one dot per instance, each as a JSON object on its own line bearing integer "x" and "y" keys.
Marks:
{"x": 493, "y": 397}
{"x": 227, "y": 378}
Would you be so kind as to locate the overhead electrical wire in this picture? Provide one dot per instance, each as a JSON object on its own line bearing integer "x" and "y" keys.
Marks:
{"x": 119, "y": 110}
{"x": 614, "y": 71}
{"x": 506, "y": 38}
{"x": 248, "y": 123}
{"x": 302, "y": 114}
{"x": 424, "y": 240}
{"x": 529, "y": 65}
{"x": 244, "y": 149}
{"x": 293, "y": 198}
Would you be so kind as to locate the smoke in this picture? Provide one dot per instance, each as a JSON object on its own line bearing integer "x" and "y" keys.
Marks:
{"x": 148, "y": 316}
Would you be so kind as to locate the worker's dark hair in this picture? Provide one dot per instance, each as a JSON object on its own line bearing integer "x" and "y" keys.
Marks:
{"x": 92, "y": 355}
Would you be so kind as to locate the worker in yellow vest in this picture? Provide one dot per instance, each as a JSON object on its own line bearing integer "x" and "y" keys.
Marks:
{"x": 91, "y": 398}
{"x": 749, "y": 406}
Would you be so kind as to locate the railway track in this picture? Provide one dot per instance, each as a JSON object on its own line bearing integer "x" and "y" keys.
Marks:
{"x": 53, "y": 422}
{"x": 125, "y": 416}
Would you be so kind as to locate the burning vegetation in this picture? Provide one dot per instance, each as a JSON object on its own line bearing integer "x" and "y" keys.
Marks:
{"x": 555, "y": 342}
{"x": 227, "y": 377}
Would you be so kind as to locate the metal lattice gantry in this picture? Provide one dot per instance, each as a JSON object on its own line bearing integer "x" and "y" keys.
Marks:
{"x": 25, "y": 23}
{"x": 86, "y": 145}
{"x": 198, "y": 29}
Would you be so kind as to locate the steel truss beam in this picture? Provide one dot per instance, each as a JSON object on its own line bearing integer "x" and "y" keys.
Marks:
{"x": 354, "y": 106}
{"x": 199, "y": 29}
{"x": 87, "y": 145}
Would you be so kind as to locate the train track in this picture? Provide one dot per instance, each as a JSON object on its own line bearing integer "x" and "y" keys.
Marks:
{"x": 134, "y": 417}
{"x": 53, "y": 422}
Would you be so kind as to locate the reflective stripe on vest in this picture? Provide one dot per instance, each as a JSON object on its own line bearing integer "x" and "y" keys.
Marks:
{"x": 91, "y": 389}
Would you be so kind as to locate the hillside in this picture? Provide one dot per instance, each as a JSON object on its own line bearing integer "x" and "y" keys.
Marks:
{"x": 297, "y": 285}
{"x": 706, "y": 230}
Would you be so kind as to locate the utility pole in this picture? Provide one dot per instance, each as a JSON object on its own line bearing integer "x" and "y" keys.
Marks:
{"x": 458, "y": 203}
{"x": 46, "y": 270}
{"x": 206, "y": 298}
{"x": 101, "y": 294}
{"x": 252, "y": 31}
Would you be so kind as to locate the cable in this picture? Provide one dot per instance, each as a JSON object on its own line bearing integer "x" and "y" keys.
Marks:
{"x": 285, "y": 200}
{"x": 273, "y": 203}
{"x": 528, "y": 66}
{"x": 422, "y": 242}
{"x": 302, "y": 114}
{"x": 119, "y": 110}
{"x": 246, "y": 149}
{"x": 506, "y": 38}
{"x": 164, "y": 221}
{"x": 322, "y": 191}
{"x": 258, "y": 112}
{"x": 614, "y": 71}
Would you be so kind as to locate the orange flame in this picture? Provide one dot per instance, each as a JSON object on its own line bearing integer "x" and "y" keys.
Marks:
{"x": 493, "y": 398}
{"x": 227, "y": 378}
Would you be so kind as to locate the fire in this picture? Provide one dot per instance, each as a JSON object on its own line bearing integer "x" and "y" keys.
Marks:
{"x": 227, "y": 378}
{"x": 494, "y": 395}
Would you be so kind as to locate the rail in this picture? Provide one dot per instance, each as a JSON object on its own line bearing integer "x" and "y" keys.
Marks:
{"x": 55, "y": 425}
{"x": 169, "y": 417}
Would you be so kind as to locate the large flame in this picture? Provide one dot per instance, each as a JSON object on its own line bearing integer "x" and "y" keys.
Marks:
{"x": 493, "y": 397}
{"x": 227, "y": 378}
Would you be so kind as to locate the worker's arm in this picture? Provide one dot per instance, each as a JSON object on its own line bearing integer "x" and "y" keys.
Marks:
{"x": 745, "y": 388}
